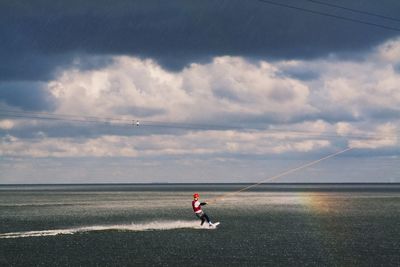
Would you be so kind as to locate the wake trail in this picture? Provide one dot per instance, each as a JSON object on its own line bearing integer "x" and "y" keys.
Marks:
{"x": 134, "y": 227}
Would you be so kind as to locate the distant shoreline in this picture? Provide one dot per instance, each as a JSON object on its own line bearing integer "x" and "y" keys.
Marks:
{"x": 204, "y": 187}
{"x": 195, "y": 183}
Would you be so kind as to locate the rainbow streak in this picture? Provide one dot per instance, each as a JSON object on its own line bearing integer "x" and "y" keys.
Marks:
{"x": 322, "y": 210}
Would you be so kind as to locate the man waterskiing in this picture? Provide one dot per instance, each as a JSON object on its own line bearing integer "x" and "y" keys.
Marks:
{"x": 196, "y": 204}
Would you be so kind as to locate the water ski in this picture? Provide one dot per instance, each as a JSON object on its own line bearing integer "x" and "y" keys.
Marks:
{"x": 214, "y": 225}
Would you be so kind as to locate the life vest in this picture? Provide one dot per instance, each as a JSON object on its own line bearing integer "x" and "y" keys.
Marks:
{"x": 196, "y": 206}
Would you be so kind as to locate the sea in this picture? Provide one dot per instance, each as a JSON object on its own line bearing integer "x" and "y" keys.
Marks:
{"x": 154, "y": 225}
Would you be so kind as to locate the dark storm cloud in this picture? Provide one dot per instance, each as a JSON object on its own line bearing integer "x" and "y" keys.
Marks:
{"x": 177, "y": 32}
{"x": 23, "y": 76}
{"x": 26, "y": 95}
{"x": 40, "y": 37}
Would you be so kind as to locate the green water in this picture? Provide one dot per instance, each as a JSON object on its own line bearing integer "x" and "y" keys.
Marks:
{"x": 150, "y": 225}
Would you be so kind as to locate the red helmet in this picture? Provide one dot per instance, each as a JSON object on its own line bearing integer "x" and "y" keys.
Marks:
{"x": 196, "y": 195}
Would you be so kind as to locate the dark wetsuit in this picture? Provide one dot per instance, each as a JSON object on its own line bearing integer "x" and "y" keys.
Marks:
{"x": 199, "y": 212}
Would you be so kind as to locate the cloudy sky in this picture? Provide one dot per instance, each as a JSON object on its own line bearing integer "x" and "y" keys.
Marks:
{"x": 224, "y": 90}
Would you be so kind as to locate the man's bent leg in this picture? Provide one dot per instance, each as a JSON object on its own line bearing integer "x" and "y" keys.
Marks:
{"x": 207, "y": 218}
{"x": 200, "y": 215}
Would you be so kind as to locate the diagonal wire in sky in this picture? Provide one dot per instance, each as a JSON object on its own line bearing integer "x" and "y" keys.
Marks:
{"x": 179, "y": 125}
{"x": 354, "y": 10}
{"x": 311, "y": 11}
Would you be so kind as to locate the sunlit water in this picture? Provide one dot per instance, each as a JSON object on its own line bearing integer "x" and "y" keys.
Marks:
{"x": 147, "y": 225}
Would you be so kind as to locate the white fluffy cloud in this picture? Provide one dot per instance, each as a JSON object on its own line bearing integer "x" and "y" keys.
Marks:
{"x": 142, "y": 89}
{"x": 311, "y": 99}
{"x": 360, "y": 89}
{"x": 6, "y": 124}
{"x": 105, "y": 146}
{"x": 384, "y": 136}
{"x": 232, "y": 86}
{"x": 211, "y": 143}
{"x": 192, "y": 143}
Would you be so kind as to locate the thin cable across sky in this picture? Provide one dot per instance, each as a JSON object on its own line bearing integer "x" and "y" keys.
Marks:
{"x": 315, "y": 12}
{"x": 354, "y": 10}
{"x": 136, "y": 123}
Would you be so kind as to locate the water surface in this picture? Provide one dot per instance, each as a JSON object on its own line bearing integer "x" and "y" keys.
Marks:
{"x": 147, "y": 225}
